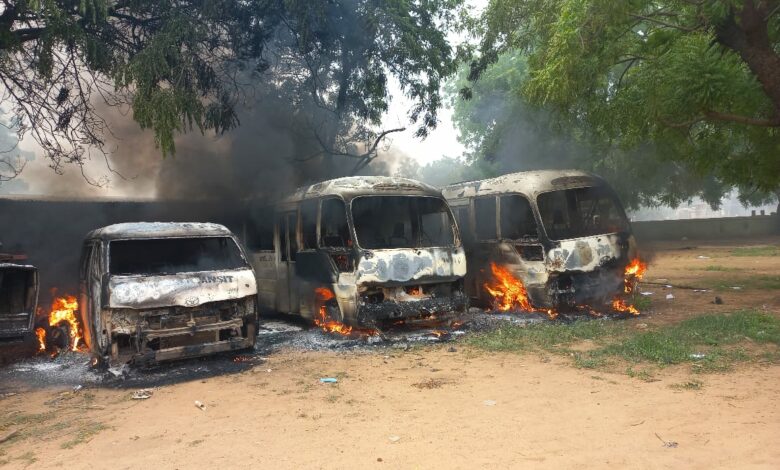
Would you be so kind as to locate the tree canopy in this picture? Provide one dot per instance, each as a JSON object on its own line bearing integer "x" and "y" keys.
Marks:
{"x": 187, "y": 64}
{"x": 689, "y": 86}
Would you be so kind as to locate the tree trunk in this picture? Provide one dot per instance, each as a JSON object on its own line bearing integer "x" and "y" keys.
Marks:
{"x": 745, "y": 32}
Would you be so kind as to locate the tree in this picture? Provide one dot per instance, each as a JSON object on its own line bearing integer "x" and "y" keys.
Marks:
{"x": 187, "y": 64}
{"x": 687, "y": 84}
{"x": 504, "y": 131}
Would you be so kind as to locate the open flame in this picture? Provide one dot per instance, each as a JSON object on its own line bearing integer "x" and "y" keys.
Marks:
{"x": 329, "y": 325}
{"x": 41, "y": 334}
{"x": 634, "y": 272}
{"x": 63, "y": 309}
{"x": 509, "y": 293}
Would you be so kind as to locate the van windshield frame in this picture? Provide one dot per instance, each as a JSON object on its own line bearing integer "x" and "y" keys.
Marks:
{"x": 581, "y": 212}
{"x": 402, "y": 222}
{"x": 174, "y": 255}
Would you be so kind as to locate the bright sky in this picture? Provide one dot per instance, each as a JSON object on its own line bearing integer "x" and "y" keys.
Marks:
{"x": 442, "y": 142}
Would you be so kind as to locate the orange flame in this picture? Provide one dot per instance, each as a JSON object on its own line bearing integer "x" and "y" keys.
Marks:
{"x": 509, "y": 293}
{"x": 41, "y": 334}
{"x": 63, "y": 309}
{"x": 634, "y": 272}
{"x": 327, "y": 324}
{"x": 620, "y": 305}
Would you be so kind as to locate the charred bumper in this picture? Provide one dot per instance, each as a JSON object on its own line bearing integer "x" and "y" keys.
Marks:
{"x": 385, "y": 303}
{"x": 181, "y": 332}
{"x": 571, "y": 289}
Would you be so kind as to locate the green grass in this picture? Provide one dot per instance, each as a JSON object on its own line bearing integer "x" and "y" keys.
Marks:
{"x": 546, "y": 336}
{"x": 756, "y": 251}
{"x": 84, "y": 433}
{"x": 710, "y": 343}
{"x": 688, "y": 385}
{"x": 758, "y": 281}
{"x": 717, "y": 268}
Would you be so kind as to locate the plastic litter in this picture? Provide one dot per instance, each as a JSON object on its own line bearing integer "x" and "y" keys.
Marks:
{"x": 329, "y": 380}
{"x": 669, "y": 296}
{"x": 200, "y": 405}
{"x": 489, "y": 403}
{"x": 142, "y": 394}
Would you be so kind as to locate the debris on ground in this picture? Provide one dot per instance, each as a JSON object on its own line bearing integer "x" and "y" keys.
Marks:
{"x": 142, "y": 394}
{"x": 718, "y": 301}
{"x": 329, "y": 380}
{"x": 9, "y": 435}
{"x": 200, "y": 405}
{"x": 394, "y": 438}
{"x": 669, "y": 444}
{"x": 669, "y": 296}
{"x": 489, "y": 403}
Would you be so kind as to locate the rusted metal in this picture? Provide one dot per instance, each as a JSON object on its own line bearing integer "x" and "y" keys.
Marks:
{"x": 561, "y": 271}
{"x": 177, "y": 310}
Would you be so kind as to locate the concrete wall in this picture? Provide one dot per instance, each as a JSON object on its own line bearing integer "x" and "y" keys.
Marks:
{"x": 708, "y": 229}
{"x": 51, "y": 232}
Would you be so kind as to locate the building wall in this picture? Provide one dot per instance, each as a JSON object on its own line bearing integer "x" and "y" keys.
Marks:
{"x": 707, "y": 229}
{"x": 51, "y": 232}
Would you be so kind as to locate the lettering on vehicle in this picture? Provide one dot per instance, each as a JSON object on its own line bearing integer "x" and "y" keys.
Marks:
{"x": 215, "y": 279}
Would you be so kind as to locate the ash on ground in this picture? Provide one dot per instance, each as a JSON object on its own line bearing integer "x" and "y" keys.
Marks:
{"x": 274, "y": 334}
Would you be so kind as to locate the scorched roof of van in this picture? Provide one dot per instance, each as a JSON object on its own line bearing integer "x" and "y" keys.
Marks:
{"x": 158, "y": 230}
{"x": 363, "y": 185}
{"x": 525, "y": 182}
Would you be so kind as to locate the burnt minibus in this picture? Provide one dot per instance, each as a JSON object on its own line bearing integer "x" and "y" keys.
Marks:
{"x": 368, "y": 248}
{"x": 563, "y": 234}
{"x": 158, "y": 291}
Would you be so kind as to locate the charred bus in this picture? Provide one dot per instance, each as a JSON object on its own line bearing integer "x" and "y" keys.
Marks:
{"x": 18, "y": 298}
{"x": 159, "y": 291}
{"x": 563, "y": 234}
{"x": 372, "y": 248}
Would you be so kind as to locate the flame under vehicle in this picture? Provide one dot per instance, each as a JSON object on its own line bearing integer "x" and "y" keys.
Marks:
{"x": 18, "y": 298}
{"x": 564, "y": 234}
{"x": 154, "y": 291}
{"x": 359, "y": 250}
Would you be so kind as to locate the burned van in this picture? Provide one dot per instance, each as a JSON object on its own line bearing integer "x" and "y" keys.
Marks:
{"x": 18, "y": 299}
{"x": 359, "y": 250}
{"x": 563, "y": 234}
{"x": 159, "y": 291}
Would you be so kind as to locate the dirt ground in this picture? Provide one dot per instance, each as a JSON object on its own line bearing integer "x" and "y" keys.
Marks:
{"x": 439, "y": 406}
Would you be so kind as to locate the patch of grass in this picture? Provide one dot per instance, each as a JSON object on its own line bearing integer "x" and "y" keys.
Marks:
{"x": 710, "y": 343}
{"x": 688, "y": 385}
{"x": 28, "y": 458}
{"x": 545, "y": 336}
{"x": 717, "y": 268}
{"x": 679, "y": 343}
{"x": 756, "y": 251}
{"x": 759, "y": 281}
{"x": 332, "y": 398}
{"x": 84, "y": 433}
{"x": 642, "y": 302}
{"x": 642, "y": 374}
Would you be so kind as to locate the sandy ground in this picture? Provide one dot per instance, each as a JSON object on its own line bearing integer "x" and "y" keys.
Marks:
{"x": 431, "y": 407}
